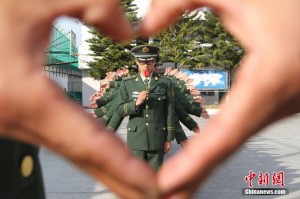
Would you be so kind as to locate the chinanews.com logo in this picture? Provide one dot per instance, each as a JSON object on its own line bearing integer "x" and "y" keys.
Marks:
{"x": 269, "y": 184}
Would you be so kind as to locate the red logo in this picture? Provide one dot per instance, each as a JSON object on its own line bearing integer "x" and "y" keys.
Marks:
{"x": 250, "y": 178}
{"x": 264, "y": 179}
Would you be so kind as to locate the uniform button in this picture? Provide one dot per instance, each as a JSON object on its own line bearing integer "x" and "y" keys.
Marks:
{"x": 27, "y": 166}
{"x": 147, "y": 124}
{"x": 158, "y": 98}
{"x": 134, "y": 99}
{"x": 147, "y": 115}
{"x": 129, "y": 129}
{"x": 147, "y": 106}
{"x": 146, "y": 98}
{"x": 164, "y": 128}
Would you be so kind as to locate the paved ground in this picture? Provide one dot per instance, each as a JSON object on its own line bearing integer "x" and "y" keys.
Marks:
{"x": 275, "y": 149}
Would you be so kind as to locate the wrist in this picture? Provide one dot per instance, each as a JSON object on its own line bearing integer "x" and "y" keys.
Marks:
{"x": 136, "y": 106}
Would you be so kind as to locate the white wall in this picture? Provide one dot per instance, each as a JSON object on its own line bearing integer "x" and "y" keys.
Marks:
{"x": 89, "y": 87}
{"x": 83, "y": 49}
{"x": 59, "y": 79}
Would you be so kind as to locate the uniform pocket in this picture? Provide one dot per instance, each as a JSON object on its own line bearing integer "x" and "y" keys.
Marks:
{"x": 131, "y": 127}
{"x": 157, "y": 96}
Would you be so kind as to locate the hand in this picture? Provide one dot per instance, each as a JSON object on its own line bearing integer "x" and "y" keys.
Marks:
{"x": 173, "y": 72}
{"x": 268, "y": 69}
{"x": 189, "y": 81}
{"x": 190, "y": 87}
{"x": 199, "y": 99}
{"x": 205, "y": 114}
{"x": 45, "y": 116}
{"x": 94, "y": 97}
{"x": 141, "y": 98}
{"x": 93, "y": 115}
{"x": 195, "y": 93}
{"x": 93, "y": 105}
{"x": 104, "y": 83}
{"x": 167, "y": 70}
{"x": 179, "y": 75}
{"x": 168, "y": 146}
{"x": 184, "y": 77}
{"x": 196, "y": 129}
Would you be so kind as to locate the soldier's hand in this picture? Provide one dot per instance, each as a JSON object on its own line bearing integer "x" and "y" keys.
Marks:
{"x": 93, "y": 115}
{"x": 270, "y": 69}
{"x": 204, "y": 113}
{"x": 93, "y": 105}
{"x": 195, "y": 93}
{"x": 141, "y": 98}
{"x": 189, "y": 81}
{"x": 168, "y": 146}
{"x": 199, "y": 99}
{"x": 167, "y": 70}
{"x": 45, "y": 116}
{"x": 104, "y": 83}
{"x": 196, "y": 129}
{"x": 190, "y": 87}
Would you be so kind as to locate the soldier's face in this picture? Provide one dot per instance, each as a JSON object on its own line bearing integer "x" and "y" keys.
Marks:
{"x": 146, "y": 65}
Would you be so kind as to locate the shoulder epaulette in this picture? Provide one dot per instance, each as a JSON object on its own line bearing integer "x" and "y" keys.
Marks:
{"x": 165, "y": 77}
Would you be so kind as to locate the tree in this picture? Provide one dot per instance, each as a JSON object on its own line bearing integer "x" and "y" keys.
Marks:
{"x": 219, "y": 48}
{"x": 199, "y": 41}
{"x": 109, "y": 55}
{"x": 180, "y": 41}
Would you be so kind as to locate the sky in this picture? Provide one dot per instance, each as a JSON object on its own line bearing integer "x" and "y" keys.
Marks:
{"x": 143, "y": 6}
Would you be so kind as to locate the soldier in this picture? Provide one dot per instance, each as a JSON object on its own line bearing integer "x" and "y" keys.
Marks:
{"x": 20, "y": 170}
{"x": 149, "y": 101}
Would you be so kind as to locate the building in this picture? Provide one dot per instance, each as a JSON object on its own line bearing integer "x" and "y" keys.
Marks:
{"x": 89, "y": 84}
{"x": 67, "y": 58}
{"x": 61, "y": 63}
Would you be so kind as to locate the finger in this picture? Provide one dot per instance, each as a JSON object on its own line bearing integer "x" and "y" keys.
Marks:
{"x": 158, "y": 18}
{"x": 124, "y": 190}
{"x": 17, "y": 133}
{"x": 96, "y": 12}
{"x": 109, "y": 169}
{"x": 107, "y": 15}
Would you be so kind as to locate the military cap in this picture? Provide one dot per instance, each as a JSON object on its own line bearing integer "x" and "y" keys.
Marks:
{"x": 145, "y": 52}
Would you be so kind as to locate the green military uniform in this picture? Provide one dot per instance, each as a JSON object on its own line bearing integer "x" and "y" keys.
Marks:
{"x": 182, "y": 116}
{"x": 111, "y": 109}
{"x": 187, "y": 104}
{"x": 115, "y": 121}
{"x": 117, "y": 116}
{"x": 105, "y": 98}
{"x": 116, "y": 83}
{"x": 105, "y": 103}
{"x": 108, "y": 108}
{"x": 20, "y": 171}
{"x": 152, "y": 123}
